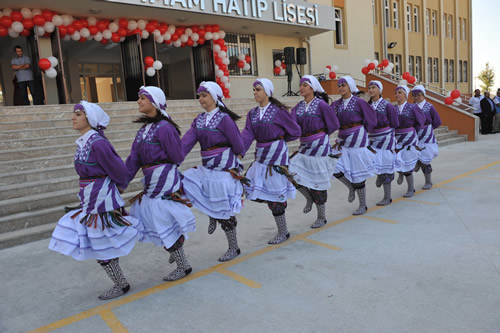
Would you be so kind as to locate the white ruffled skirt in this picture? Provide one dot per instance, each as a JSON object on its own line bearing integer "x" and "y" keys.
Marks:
{"x": 386, "y": 161}
{"x": 429, "y": 152}
{"x": 264, "y": 186}
{"x": 357, "y": 164}
{"x": 81, "y": 242}
{"x": 215, "y": 193}
{"x": 164, "y": 220}
{"x": 407, "y": 159}
{"x": 314, "y": 172}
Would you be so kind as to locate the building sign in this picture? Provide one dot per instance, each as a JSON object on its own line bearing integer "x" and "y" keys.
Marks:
{"x": 294, "y": 12}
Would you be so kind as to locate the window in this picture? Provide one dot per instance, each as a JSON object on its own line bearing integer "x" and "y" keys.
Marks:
{"x": 408, "y": 17}
{"x": 460, "y": 78}
{"x": 411, "y": 65}
{"x": 395, "y": 15}
{"x": 450, "y": 26}
{"x": 278, "y": 55}
{"x": 465, "y": 71}
{"x": 374, "y": 12}
{"x": 377, "y": 56}
{"x": 397, "y": 64}
{"x": 418, "y": 68}
{"x": 464, "y": 29}
{"x": 459, "y": 32}
{"x": 452, "y": 70}
{"x": 387, "y": 14}
{"x": 237, "y": 44}
{"x": 390, "y": 57}
{"x": 416, "y": 23}
{"x": 436, "y": 70}
{"x": 443, "y": 26}
{"x": 434, "y": 23}
{"x": 427, "y": 21}
{"x": 339, "y": 27}
{"x": 446, "y": 70}
{"x": 429, "y": 69}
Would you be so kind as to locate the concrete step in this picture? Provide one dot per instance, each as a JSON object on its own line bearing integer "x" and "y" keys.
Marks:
{"x": 446, "y": 135}
{"x": 23, "y": 236}
{"x": 454, "y": 140}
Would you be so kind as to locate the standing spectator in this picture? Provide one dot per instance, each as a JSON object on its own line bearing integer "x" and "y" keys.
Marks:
{"x": 496, "y": 121}
{"x": 22, "y": 65}
{"x": 487, "y": 112}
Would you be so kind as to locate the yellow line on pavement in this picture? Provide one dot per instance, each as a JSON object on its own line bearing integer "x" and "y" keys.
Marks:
{"x": 422, "y": 202}
{"x": 239, "y": 278}
{"x": 454, "y": 188}
{"x": 377, "y": 219}
{"x": 468, "y": 173}
{"x": 315, "y": 242}
{"x": 112, "y": 321}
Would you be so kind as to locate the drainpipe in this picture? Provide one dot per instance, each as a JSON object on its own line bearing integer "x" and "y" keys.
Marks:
{"x": 307, "y": 40}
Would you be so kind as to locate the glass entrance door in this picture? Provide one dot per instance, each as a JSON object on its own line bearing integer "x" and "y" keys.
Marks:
{"x": 101, "y": 83}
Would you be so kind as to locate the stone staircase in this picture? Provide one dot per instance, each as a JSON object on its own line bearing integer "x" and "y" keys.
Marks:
{"x": 37, "y": 177}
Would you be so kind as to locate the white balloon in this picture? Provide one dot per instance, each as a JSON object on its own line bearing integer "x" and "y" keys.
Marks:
{"x": 66, "y": 19}
{"x": 224, "y": 79}
{"x": 132, "y": 25}
{"x": 403, "y": 83}
{"x": 448, "y": 94}
{"x": 141, "y": 24}
{"x": 166, "y": 36}
{"x": 53, "y": 61}
{"x": 14, "y": 34}
{"x": 122, "y": 39}
{"x": 326, "y": 71}
{"x": 159, "y": 39}
{"x": 92, "y": 20}
{"x": 85, "y": 32}
{"x": 7, "y": 11}
{"x": 150, "y": 71}
{"x": 177, "y": 43}
{"x": 98, "y": 36}
{"x": 35, "y": 11}
{"x": 27, "y": 13}
{"x": 387, "y": 70}
{"x": 195, "y": 37}
{"x": 51, "y": 73}
{"x": 222, "y": 54}
{"x": 184, "y": 38}
{"x": 145, "y": 34}
{"x": 156, "y": 33}
{"x": 107, "y": 34}
{"x": 90, "y": 37}
{"x": 49, "y": 27}
{"x": 17, "y": 27}
{"x": 215, "y": 35}
{"x": 216, "y": 68}
{"x": 283, "y": 72}
{"x": 228, "y": 85}
{"x": 171, "y": 29}
{"x": 113, "y": 27}
{"x": 335, "y": 68}
{"x": 188, "y": 32}
{"x": 222, "y": 34}
{"x": 208, "y": 35}
{"x": 246, "y": 67}
{"x": 67, "y": 37}
{"x": 241, "y": 56}
{"x": 458, "y": 99}
{"x": 157, "y": 65}
{"x": 217, "y": 48}
{"x": 226, "y": 61}
{"x": 220, "y": 73}
{"x": 367, "y": 61}
{"x": 195, "y": 44}
{"x": 277, "y": 63}
{"x": 57, "y": 20}
{"x": 75, "y": 36}
{"x": 40, "y": 31}
{"x": 375, "y": 62}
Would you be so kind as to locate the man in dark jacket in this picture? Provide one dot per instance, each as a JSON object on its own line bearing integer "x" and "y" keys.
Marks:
{"x": 487, "y": 112}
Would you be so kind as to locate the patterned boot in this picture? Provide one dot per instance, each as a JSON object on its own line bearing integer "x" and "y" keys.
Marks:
{"x": 229, "y": 227}
{"x": 400, "y": 178}
{"x": 343, "y": 180}
{"x": 428, "y": 182}
{"x": 411, "y": 187}
{"x": 361, "y": 192}
{"x": 305, "y": 192}
{"x": 417, "y": 166}
{"x": 321, "y": 221}
{"x": 283, "y": 234}
{"x": 387, "y": 195}
{"x": 212, "y": 225}
{"x": 378, "y": 182}
{"x": 177, "y": 253}
{"x": 114, "y": 271}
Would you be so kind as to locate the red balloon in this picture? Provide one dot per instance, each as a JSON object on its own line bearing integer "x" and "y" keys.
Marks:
{"x": 332, "y": 75}
{"x": 62, "y": 30}
{"x": 28, "y": 24}
{"x": 85, "y": 23}
{"x": 104, "y": 41}
{"x": 195, "y": 28}
{"x": 189, "y": 42}
{"x": 3, "y": 31}
{"x": 82, "y": 40}
{"x": 149, "y": 61}
{"x": 6, "y": 21}
{"x": 215, "y": 28}
{"x": 155, "y": 23}
{"x": 411, "y": 80}
{"x": 371, "y": 66}
{"x": 283, "y": 65}
{"x": 77, "y": 24}
{"x": 122, "y": 32}
{"x": 455, "y": 94}
{"x": 175, "y": 37}
{"x": 241, "y": 63}
{"x": 201, "y": 41}
{"x": 385, "y": 63}
{"x": 93, "y": 30}
{"x": 365, "y": 70}
{"x": 329, "y": 67}
{"x": 277, "y": 70}
{"x": 183, "y": 44}
{"x": 44, "y": 64}
{"x": 208, "y": 28}
{"x": 223, "y": 67}
{"x": 201, "y": 32}
{"x": 136, "y": 31}
{"x": 219, "y": 62}
{"x": 101, "y": 25}
{"x": 222, "y": 85}
{"x": 26, "y": 33}
{"x": 448, "y": 100}
{"x": 162, "y": 29}
{"x": 406, "y": 75}
{"x": 115, "y": 38}
{"x": 16, "y": 16}
{"x": 220, "y": 42}
{"x": 217, "y": 80}
{"x": 226, "y": 73}
{"x": 123, "y": 23}
{"x": 48, "y": 15}
{"x": 71, "y": 29}
{"x": 179, "y": 31}
{"x": 150, "y": 27}
{"x": 225, "y": 91}
{"x": 223, "y": 48}
{"x": 168, "y": 41}
{"x": 248, "y": 59}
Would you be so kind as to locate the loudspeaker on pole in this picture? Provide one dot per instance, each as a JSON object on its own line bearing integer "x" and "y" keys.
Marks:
{"x": 301, "y": 56}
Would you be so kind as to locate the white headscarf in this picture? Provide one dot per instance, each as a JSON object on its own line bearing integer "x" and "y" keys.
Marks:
{"x": 96, "y": 116}
{"x": 350, "y": 83}
{"x": 214, "y": 90}
{"x": 266, "y": 84}
{"x": 404, "y": 88}
{"x": 418, "y": 88}
{"x": 157, "y": 98}
{"x": 313, "y": 83}
{"x": 378, "y": 84}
